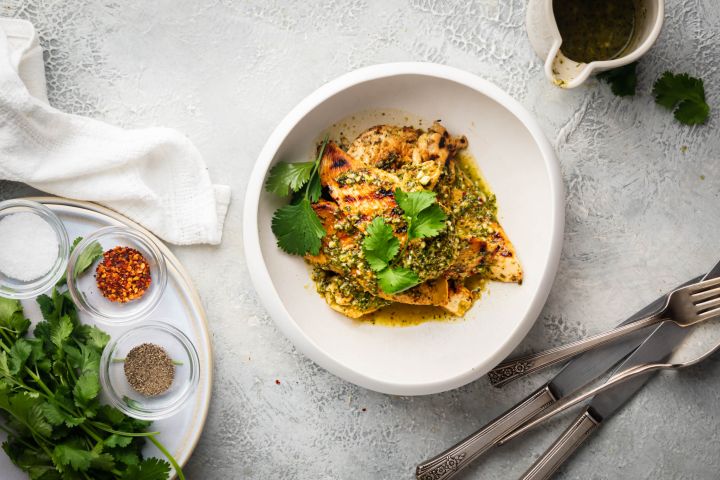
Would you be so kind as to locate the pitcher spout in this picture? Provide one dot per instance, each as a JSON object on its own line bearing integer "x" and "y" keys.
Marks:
{"x": 564, "y": 72}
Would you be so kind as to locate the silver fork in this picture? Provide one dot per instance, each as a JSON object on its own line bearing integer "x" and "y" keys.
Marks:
{"x": 703, "y": 342}
{"x": 685, "y": 306}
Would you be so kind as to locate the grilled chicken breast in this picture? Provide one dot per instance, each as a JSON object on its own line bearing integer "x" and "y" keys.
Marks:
{"x": 416, "y": 157}
{"x": 359, "y": 186}
{"x": 362, "y": 192}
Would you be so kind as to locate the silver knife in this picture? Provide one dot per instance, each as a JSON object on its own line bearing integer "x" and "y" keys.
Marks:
{"x": 576, "y": 374}
{"x": 657, "y": 347}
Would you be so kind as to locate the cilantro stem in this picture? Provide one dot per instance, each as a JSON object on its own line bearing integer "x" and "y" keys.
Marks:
{"x": 16, "y": 437}
{"x": 317, "y": 164}
{"x": 171, "y": 459}
{"x": 105, "y": 428}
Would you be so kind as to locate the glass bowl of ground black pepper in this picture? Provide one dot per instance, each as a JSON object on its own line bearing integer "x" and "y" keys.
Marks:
{"x": 150, "y": 371}
{"x": 34, "y": 251}
{"x": 117, "y": 274}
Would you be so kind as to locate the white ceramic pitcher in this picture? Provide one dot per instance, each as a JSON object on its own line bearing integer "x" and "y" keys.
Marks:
{"x": 563, "y": 72}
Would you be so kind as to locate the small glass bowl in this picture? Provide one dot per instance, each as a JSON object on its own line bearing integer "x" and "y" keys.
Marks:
{"x": 88, "y": 297}
{"x": 187, "y": 371}
{"x": 19, "y": 289}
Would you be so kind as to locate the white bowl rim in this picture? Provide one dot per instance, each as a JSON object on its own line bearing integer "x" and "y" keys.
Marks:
{"x": 261, "y": 277}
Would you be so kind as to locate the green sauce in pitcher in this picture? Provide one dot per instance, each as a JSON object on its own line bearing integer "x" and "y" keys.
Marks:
{"x": 594, "y": 29}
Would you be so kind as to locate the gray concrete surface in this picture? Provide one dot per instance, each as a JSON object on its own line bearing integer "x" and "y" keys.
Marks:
{"x": 642, "y": 215}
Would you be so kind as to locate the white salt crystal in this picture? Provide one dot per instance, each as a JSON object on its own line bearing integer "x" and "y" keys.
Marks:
{"x": 28, "y": 246}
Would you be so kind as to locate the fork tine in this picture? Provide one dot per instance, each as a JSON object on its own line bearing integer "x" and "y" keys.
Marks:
{"x": 701, "y": 287}
{"x": 705, "y": 295}
{"x": 709, "y": 314}
{"x": 707, "y": 305}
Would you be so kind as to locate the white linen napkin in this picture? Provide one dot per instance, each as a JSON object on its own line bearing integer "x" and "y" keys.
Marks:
{"x": 155, "y": 176}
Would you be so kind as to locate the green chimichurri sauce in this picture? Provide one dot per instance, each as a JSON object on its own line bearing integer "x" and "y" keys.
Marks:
{"x": 594, "y": 29}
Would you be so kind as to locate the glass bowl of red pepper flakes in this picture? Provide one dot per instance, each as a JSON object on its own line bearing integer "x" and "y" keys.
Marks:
{"x": 117, "y": 274}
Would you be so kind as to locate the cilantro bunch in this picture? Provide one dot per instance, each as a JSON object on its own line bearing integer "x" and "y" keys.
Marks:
{"x": 424, "y": 219}
{"x": 56, "y": 428}
{"x": 296, "y": 226}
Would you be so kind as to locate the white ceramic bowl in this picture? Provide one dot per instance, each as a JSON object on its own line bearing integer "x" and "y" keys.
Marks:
{"x": 520, "y": 166}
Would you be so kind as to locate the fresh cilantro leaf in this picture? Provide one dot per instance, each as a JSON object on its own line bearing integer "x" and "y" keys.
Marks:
{"x": 414, "y": 202}
{"x": 26, "y": 408}
{"x": 683, "y": 94}
{"x": 19, "y": 354}
{"x": 86, "y": 389}
{"x": 149, "y": 469}
{"x": 622, "y": 80}
{"x": 87, "y": 257}
{"x": 7, "y": 308}
{"x": 285, "y": 177}
{"x": 296, "y": 226}
{"x": 4, "y": 365}
{"x": 47, "y": 308}
{"x": 60, "y": 331}
{"x": 298, "y": 229}
{"x": 428, "y": 223}
{"x": 424, "y": 216}
{"x": 52, "y": 413}
{"x": 395, "y": 280}
{"x": 103, "y": 461}
{"x": 117, "y": 441}
{"x": 36, "y": 420}
{"x": 68, "y": 454}
{"x": 126, "y": 456}
{"x": 380, "y": 244}
{"x": 94, "y": 336}
{"x": 692, "y": 113}
{"x": 111, "y": 415}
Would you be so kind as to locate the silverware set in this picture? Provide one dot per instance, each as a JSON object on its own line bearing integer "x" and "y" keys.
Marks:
{"x": 673, "y": 332}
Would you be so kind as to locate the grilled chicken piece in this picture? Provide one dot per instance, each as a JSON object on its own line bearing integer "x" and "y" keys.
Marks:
{"x": 340, "y": 247}
{"x": 417, "y": 157}
{"x": 431, "y": 292}
{"x": 344, "y": 297}
{"x": 502, "y": 260}
{"x": 362, "y": 192}
{"x": 485, "y": 243}
{"x": 460, "y": 299}
{"x": 385, "y": 146}
{"x": 329, "y": 214}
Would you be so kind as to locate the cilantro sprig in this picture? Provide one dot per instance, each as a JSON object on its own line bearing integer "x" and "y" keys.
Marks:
{"x": 684, "y": 95}
{"x": 622, "y": 80}
{"x": 424, "y": 218}
{"x": 49, "y": 400}
{"x": 296, "y": 226}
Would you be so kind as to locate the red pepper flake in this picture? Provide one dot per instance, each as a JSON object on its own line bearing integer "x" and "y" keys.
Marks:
{"x": 123, "y": 275}
{"x": 277, "y": 382}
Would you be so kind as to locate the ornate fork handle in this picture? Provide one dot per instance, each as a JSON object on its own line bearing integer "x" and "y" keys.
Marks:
{"x": 451, "y": 461}
{"x": 509, "y": 371}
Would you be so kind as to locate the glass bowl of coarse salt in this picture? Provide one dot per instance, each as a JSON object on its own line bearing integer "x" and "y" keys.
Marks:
{"x": 117, "y": 274}
{"x": 34, "y": 250}
{"x": 150, "y": 371}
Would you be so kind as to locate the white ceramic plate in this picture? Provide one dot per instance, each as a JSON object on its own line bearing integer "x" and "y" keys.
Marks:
{"x": 521, "y": 168}
{"x": 180, "y": 304}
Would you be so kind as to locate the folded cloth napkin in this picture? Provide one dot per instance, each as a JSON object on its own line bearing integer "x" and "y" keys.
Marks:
{"x": 155, "y": 176}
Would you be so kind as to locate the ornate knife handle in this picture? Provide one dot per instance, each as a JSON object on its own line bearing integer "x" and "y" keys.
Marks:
{"x": 451, "y": 461}
{"x": 563, "y": 447}
{"x": 519, "y": 367}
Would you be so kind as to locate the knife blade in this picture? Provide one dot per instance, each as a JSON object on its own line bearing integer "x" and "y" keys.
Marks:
{"x": 576, "y": 374}
{"x": 655, "y": 348}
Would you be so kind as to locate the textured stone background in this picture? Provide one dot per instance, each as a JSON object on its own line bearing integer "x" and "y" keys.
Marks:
{"x": 642, "y": 198}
